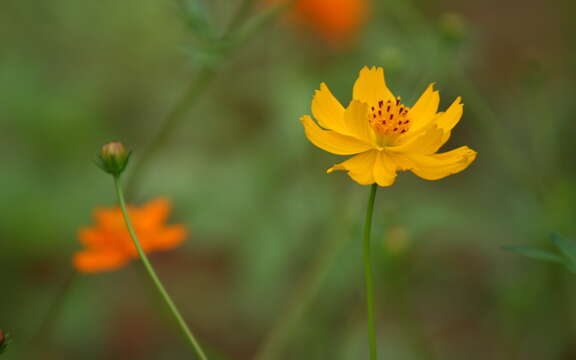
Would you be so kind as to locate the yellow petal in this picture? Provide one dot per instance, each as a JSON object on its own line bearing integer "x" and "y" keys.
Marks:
{"x": 424, "y": 110}
{"x": 332, "y": 141}
{"x": 437, "y": 166}
{"x": 447, "y": 120}
{"x": 360, "y": 168}
{"x": 370, "y": 87}
{"x": 356, "y": 121}
{"x": 384, "y": 170}
{"x": 427, "y": 142}
{"x": 328, "y": 110}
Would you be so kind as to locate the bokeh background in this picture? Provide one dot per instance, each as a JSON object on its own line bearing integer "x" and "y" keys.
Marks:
{"x": 272, "y": 267}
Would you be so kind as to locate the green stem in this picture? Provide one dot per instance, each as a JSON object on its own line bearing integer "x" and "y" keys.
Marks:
{"x": 242, "y": 32}
{"x": 301, "y": 298}
{"x": 42, "y": 336}
{"x": 241, "y": 13}
{"x": 192, "y": 94}
{"x": 368, "y": 273}
{"x": 152, "y": 273}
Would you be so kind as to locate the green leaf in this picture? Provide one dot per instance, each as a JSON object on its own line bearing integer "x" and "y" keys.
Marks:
{"x": 534, "y": 253}
{"x": 568, "y": 248}
{"x": 196, "y": 17}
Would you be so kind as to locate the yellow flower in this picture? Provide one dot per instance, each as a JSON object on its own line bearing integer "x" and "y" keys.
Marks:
{"x": 385, "y": 135}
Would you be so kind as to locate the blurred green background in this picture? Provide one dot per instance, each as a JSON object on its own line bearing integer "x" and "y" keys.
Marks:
{"x": 275, "y": 242}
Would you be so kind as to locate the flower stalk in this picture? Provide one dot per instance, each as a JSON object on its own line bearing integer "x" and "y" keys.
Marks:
{"x": 368, "y": 273}
{"x": 152, "y": 273}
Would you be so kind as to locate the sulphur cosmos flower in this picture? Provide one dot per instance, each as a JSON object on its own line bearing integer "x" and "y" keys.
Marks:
{"x": 384, "y": 135}
{"x": 108, "y": 245}
{"x": 335, "y": 21}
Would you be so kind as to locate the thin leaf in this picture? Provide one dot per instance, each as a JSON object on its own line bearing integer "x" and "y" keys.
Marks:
{"x": 534, "y": 253}
{"x": 567, "y": 246}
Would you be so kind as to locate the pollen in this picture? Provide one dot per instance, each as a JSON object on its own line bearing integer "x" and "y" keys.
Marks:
{"x": 389, "y": 118}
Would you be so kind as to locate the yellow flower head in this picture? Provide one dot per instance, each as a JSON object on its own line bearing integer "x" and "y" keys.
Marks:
{"x": 385, "y": 135}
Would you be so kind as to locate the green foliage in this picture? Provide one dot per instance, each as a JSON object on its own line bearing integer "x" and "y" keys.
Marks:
{"x": 565, "y": 252}
{"x": 5, "y": 340}
{"x": 253, "y": 192}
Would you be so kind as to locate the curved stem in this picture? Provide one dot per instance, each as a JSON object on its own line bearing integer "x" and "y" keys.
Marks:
{"x": 152, "y": 274}
{"x": 368, "y": 273}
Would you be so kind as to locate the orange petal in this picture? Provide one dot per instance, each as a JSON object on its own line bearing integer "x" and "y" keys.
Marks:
{"x": 109, "y": 217}
{"x": 99, "y": 261}
{"x": 169, "y": 238}
{"x": 97, "y": 238}
{"x": 153, "y": 214}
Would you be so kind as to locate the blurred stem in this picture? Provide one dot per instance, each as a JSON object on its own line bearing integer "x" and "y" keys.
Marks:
{"x": 191, "y": 96}
{"x": 241, "y": 13}
{"x": 152, "y": 273}
{"x": 45, "y": 330}
{"x": 368, "y": 273}
{"x": 236, "y": 34}
{"x": 273, "y": 344}
{"x": 519, "y": 166}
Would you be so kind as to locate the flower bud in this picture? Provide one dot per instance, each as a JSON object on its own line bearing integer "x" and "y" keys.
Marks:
{"x": 113, "y": 158}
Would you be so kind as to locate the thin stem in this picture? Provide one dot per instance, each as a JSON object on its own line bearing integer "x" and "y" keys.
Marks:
{"x": 190, "y": 97}
{"x": 242, "y": 32}
{"x": 241, "y": 13}
{"x": 302, "y": 295}
{"x": 152, "y": 273}
{"x": 42, "y": 336}
{"x": 368, "y": 273}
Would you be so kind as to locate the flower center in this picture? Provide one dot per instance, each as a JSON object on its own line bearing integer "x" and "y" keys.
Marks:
{"x": 388, "y": 120}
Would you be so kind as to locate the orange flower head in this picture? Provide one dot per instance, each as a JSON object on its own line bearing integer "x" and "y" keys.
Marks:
{"x": 336, "y": 21}
{"x": 108, "y": 243}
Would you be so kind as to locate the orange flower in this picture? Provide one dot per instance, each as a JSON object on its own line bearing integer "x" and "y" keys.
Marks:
{"x": 336, "y": 21}
{"x": 108, "y": 244}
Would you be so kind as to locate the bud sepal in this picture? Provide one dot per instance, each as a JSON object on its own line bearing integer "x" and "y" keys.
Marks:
{"x": 113, "y": 158}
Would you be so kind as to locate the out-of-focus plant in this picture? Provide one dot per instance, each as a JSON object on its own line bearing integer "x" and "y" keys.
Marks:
{"x": 336, "y": 22}
{"x": 108, "y": 246}
{"x": 564, "y": 252}
{"x": 111, "y": 251}
{"x": 214, "y": 51}
{"x": 5, "y": 340}
{"x": 384, "y": 136}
